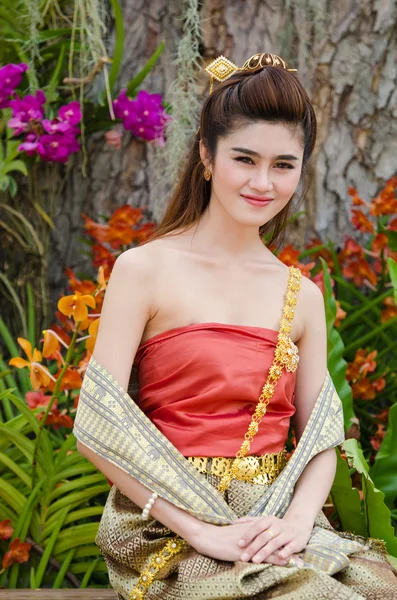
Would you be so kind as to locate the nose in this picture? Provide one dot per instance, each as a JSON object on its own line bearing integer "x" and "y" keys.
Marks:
{"x": 261, "y": 181}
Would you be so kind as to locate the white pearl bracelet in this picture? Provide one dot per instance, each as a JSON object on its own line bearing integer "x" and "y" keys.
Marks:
{"x": 148, "y": 506}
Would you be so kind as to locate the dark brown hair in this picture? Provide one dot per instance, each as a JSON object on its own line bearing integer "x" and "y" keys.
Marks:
{"x": 272, "y": 94}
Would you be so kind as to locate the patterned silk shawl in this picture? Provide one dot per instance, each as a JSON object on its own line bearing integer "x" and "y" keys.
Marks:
{"x": 110, "y": 423}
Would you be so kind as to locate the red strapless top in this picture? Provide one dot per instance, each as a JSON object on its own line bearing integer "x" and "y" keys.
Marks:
{"x": 200, "y": 384}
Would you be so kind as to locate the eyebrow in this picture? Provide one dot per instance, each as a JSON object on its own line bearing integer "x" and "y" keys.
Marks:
{"x": 253, "y": 153}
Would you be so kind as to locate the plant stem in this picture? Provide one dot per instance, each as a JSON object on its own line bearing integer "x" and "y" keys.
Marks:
{"x": 54, "y": 396}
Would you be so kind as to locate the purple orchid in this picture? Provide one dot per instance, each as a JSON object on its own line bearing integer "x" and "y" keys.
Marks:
{"x": 70, "y": 113}
{"x": 26, "y": 111}
{"x": 56, "y": 147}
{"x": 10, "y": 78}
{"x": 30, "y": 144}
{"x": 144, "y": 116}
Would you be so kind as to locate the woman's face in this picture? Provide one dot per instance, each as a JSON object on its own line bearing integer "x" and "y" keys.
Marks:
{"x": 256, "y": 171}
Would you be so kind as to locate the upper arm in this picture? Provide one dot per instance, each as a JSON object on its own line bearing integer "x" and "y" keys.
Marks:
{"x": 126, "y": 309}
{"x": 312, "y": 346}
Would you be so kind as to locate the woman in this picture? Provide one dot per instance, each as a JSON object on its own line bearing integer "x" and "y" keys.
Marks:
{"x": 214, "y": 321}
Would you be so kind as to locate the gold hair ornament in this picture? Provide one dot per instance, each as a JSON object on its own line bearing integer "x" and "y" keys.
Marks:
{"x": 222, "y": 68}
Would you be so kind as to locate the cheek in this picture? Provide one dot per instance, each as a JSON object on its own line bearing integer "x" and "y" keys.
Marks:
{"x": 288, "y": 184}
{"x": 228, "y": 173}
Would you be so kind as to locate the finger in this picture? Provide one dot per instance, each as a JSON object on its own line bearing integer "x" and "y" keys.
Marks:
{"x": 245, "y": 519}
{"x": 275, "y": 559}
{"x": 257, "y": 528}
{"x": 258, "y": 543}
{"x": 290, "y": 548}
{"x": 271, "y": 547}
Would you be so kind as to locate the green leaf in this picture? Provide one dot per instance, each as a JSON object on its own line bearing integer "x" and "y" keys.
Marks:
{"x": 44, "y": 215}
{"x": 377, "y": 514}
{"x": 11, "y": 495}
{"x": 76, "y": 498}
{"x": 346, "y": 499}
{"x": 64, "y": 569}
{"x": 79, "y": 535}
{"x": 392, "y": 240}
{"x": 50, "y": 546}
{"x": 51, "y": 90}
{"x": 384, "y": 470}
{"x": 19, "y": 472}
{"x": 31, "y": 315}
{"x": 138, "y": 79}
{"x": 16, "y": 301}
{"x": 337, "y": 365}
{"x": 119, "y": 43}
{"x": 89, "y": 572}
{"x": 75, "y": 484}
{"x": 393, "y": 274}
{"x": 16, "y": 165}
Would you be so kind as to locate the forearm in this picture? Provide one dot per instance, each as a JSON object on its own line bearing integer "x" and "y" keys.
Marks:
{"x": 176, "y": 519}
{"x": 313, "y": 487}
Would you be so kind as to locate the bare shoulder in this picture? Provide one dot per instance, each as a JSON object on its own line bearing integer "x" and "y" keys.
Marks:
{"x": 310, "y": 307}
{"x": 141, "y": 262}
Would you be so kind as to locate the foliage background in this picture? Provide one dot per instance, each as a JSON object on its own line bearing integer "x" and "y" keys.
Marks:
{"x": 51, "y": 497}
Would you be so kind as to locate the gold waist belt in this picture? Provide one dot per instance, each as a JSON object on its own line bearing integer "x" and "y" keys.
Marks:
{"x": 255, "y": 469}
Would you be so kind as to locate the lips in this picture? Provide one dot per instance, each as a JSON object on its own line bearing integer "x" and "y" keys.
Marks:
{"x": 256, "y": 200}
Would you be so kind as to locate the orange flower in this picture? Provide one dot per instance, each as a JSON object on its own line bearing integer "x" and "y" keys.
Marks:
{"x": 379, "y": 242}
{"x": 324, "y": 253}
{"x": 85, "y": 286}
{"x": 386, "y": 202}
{"x": 51, "y": 343}
{"x": 289, "y": 256}
{"x": 39, "y": 375}
{"x": 17, "y": 553}
{"x": 126, "y": 215}
{"x": 102, "y": 256}
{"x": 379, "y": 384}
{"x": 351, "y": 250}
{"x": 363, "y": 364}
{"x": 360, "y": 272}
{"x": 70, "y": 381}
{"x": 361, "y": 221}
{"x": 145, "y": 231}
{"x": 93, "y": 331}
{"x": 392, "y": 226}
{"x": 95, "y": 230}
{"x": 58, "y": 419}
{"x": 6, "y": 530}
{"x": 340, "y": 314}
{"x": 306, "y": 268}
{"x": 363, "y": 389}
{"x": 83, "y": 363}
{"x": 101, "y": 279}
{"x": 376, "y": 440}
{"x": 390, "y": 311}
{"x": 35, "y": 399}
{"x": 357, "y": 201}
{"x": 76, "y": 305}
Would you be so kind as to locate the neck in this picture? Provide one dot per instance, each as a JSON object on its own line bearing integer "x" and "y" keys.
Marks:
{"x": 218, "y": 232}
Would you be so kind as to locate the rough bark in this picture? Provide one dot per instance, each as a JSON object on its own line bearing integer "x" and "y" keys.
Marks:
{"x": 345, "y": 52}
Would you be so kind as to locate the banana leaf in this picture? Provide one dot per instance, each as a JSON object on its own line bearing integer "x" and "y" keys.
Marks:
{"x": 384, "y": 471}
{"x": 337, "y": 365}
{"x": 376, "y": 513}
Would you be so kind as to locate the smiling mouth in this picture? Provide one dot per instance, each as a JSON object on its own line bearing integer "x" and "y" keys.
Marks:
{"x": 256, "y": 200}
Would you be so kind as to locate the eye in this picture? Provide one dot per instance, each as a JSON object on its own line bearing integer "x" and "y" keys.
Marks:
{"x": 245, "y": 159}
{"x": 284, "y": 165}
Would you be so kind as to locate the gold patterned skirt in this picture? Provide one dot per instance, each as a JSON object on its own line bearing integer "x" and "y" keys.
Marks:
{"x": 129, "y": 544}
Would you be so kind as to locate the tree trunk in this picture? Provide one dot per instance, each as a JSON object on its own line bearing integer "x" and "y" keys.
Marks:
{"x": 345, "y": 53}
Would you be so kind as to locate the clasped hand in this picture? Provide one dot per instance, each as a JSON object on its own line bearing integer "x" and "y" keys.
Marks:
{"x": 256, "y": 539}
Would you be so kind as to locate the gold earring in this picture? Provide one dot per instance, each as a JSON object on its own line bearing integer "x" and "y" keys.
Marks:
{"x": 207, "y": 175}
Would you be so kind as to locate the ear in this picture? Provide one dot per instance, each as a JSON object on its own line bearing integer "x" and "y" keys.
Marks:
{"x": 204, "y": 155}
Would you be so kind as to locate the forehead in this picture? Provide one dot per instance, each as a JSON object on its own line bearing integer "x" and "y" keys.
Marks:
{"x": 265, "y": 138}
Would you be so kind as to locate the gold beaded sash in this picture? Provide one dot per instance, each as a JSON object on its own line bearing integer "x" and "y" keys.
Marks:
{"x": 261, "y": 470}
{"x": 285, "y": 356}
